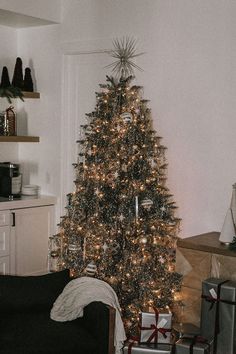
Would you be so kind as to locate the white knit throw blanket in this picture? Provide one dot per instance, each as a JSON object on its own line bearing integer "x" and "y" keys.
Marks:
{"x": 78, "y": 293}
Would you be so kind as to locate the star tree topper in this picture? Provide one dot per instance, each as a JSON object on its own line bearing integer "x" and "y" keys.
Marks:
{"x": 124, "y": 51}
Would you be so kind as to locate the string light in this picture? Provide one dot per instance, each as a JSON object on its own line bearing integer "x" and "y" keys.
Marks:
{"x": 122, "y": 159}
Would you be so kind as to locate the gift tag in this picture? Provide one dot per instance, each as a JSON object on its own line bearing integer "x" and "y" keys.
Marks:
{"x": 162, "y": 323}
{"x": 213, "y": 293}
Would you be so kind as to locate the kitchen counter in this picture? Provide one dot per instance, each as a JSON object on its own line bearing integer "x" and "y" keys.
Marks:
{"x": 27, "y": 202}
{"x": 26, "y": 224}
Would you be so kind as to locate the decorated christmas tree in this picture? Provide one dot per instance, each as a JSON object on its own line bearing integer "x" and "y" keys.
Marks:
{"x": 120, "y": 225}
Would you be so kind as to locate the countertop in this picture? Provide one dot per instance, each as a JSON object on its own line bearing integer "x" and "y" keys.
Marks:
{"x": 27, "y": 202}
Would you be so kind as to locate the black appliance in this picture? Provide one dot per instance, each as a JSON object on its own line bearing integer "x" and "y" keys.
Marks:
{"x": 10, "y": 180}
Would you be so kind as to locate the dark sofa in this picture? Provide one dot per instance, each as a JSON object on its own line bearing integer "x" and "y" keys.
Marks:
{"x": 26, "y": 327}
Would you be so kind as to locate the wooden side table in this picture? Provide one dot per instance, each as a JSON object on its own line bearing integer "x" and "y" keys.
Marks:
{"x": 198, "y": 258}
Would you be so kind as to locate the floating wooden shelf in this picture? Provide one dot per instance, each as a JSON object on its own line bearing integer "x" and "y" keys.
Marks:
{"x": 30, "y": 94}
{"x": 19, "y": 139}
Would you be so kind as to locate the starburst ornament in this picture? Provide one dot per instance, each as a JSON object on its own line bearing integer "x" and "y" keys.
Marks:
{"x": 124, "y": 51}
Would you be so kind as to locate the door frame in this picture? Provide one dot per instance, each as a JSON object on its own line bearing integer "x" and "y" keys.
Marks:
{"x": 68, "y": 128}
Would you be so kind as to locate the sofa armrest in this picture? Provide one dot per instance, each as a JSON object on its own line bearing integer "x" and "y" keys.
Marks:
{"x": 99, "y": 320}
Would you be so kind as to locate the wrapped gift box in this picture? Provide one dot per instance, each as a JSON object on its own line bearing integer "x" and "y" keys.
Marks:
{"x": 218, "y": 314}
{"x": 155, "y": 327}
{"x": 193, "y": 345}
{"x": 148, "y": 349}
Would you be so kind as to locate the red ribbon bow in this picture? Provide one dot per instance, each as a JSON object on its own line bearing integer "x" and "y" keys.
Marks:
{"x": 155, "y": 329}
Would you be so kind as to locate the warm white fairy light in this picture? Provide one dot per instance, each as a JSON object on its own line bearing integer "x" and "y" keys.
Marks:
{"x": 120, "y": 169}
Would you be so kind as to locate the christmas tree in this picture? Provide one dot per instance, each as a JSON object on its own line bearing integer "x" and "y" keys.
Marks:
{"x": 120, "y": 224}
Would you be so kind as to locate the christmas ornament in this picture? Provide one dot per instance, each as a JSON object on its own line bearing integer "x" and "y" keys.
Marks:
{"x": 121, "y": 217}
{"x": 161, "y": 260}
{"x": 73, "y": 247}
{"x": 146, "y": 203}
{"x": 127, "y": 117}
{"x": 105, "y": 247}
{"x": 91, "y": 269}
{"x": 136, "y": 208}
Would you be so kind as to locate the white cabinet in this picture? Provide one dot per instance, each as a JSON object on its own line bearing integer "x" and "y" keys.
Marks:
{"x": 24, "y": 234}
{"x": 29, "y": 240}
{"x": 4, "y": 241}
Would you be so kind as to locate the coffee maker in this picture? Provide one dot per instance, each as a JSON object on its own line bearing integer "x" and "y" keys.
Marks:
{"x": 10, "y": 180}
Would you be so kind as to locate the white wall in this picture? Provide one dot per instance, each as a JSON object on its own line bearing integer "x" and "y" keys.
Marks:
{"x": 38, "y": 49}
{"x": 189, "y": 77}
{"x": 8, "y": 50}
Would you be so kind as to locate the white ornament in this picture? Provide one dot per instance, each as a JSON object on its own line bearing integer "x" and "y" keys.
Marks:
{"x": 136, "y": 208}
{"x": 121, "y": 217}
{"x": 105, "y": 247}
{"x": 91, "y": 269}
{"x": 127, "y": 117}
{"x": 73, "y": 247}
{"x": 146, "y": 203}
{"x": 161, "y": 259}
